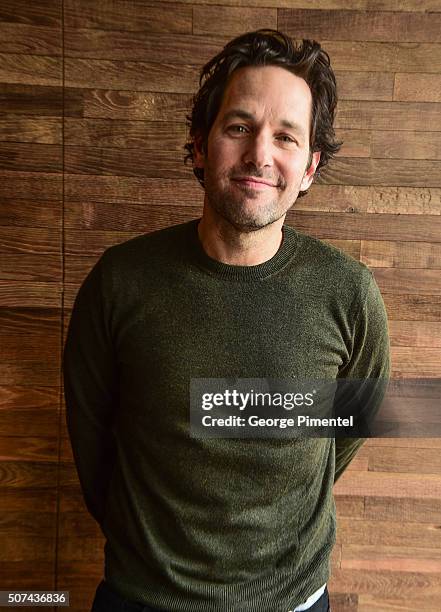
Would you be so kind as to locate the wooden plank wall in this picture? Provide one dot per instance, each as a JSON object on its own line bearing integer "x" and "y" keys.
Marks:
{"x": 93, "y": 97}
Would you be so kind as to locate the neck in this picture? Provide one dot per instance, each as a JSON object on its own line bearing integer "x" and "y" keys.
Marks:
{"x": 224, "y": 242}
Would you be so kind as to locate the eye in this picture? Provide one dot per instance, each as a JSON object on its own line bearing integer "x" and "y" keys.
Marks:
{"x": 237, "y": 129}
{"x": 285, "y": 138}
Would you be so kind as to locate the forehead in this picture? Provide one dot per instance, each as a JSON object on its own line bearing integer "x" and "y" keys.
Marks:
{"x": 268, "y": 90}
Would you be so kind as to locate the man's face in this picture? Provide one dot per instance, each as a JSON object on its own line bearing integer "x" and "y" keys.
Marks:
{"x": 258, "y": 147}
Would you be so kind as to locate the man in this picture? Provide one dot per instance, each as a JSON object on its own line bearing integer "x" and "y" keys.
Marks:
{"x": 222, "y": 525}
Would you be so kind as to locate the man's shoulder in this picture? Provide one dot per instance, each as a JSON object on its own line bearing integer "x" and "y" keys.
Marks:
{"x": 162, "y": 238}
{"x": 145, "y": 259}
{"x": 160, "y": 245}
{"x": 327, "y": 257}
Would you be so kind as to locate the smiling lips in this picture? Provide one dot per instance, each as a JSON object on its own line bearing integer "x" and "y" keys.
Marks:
{"x": 253, "y": 182}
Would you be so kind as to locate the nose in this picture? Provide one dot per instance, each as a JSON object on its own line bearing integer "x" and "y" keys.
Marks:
{"x": 259, "y": 151}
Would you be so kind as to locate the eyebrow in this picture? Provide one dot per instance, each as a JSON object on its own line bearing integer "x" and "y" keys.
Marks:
{"x": 243, "y": 114}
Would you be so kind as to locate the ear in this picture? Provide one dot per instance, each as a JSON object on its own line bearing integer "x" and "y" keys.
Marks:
{"x": 198, "y": 152}
{"x": 309, "y": 173}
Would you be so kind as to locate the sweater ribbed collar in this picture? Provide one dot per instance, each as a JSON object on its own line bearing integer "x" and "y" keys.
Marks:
{"x": 261, "y": 271}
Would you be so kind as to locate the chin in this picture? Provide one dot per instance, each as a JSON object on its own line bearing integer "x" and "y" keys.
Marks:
{"x": 246, "y": 214}
{"x": 250, "y": 223}
{"x": 249, "y": 227}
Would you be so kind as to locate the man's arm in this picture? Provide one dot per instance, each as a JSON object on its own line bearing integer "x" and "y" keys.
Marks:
{"x": 91, "y": 390}
{"x": 369, "y": 362}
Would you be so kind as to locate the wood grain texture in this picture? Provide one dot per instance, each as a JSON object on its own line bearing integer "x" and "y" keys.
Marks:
{"x": 38, "y": 100}
{"x": 137, "y": 76}
{"x": 79, "y": 524}
{"x": 368, "y": 115}
{"x": 81, "y": 549}
{"x": 93, "y": 101}
{"x": 418, "y": 87}
{"x": 422, "y": 460}
{"x": 20, "y": 500}
{"x": 394, "y": 587}
{"x": 418, "y": 389}
{"x": 409, "y": 416}
{"x": 21, "y": 575}
{"x": 71, "y": 500}
{"x": 32, "y": 372}
{"x": 128, "y": 16}
{"x": 388, "y": 57}
{"x": 232, "y": 21}
{"x": 407, "y": 173}
{"x": 129, "y": 45}
{"x": 93, "y": 242}
{"x": 18, "y": 548}
{"x": 350, "y": 247}
{"x": 429, "y": 442}
{"x": 34, "y": 294}
{"x": 415, "y": 362}
{"x": 385, "y": 536}
{"x": 26, "y": 336}
{"x": 132, "y": 105}
{"x": 30, "y": 39}
{"x": 81, "y": 578}
{"x": 360, "y": 462}
{"x": 40, "y": 475}
{"x": 345, "y": 602}
{"x": 23, "y": 398}
{"x": 128, "y": 217}
{"x": 124, "y": 162}
{"x": 360, "y": 226}
{"x": 40, "y": 13}
{"x": 402, "y": 509}
{"x": 375, "y": 199}
{"x": 30, "y": 157}
{"x": 400, "y": 200}
{"x": 30, "y": 69}
{"x": 66, "y": 453}
{"x": 125, "y": 134}
{"x": 28, "y": 449}
{"x": 30, "y": 240}
{"x": 401, "y": 254}
{"x": 356, "y": 5}
{"x": 41, "y": 131}
{"x": 390, "y": 486}
{"x": 361, "y": 25}
{"x": 68, "y": 475}
{"x": 356, "y": 143}
{"x": 29, "y": 422}
{"x": 415, "y": 333}
{"x": 412, "y": 281}
{"x": 125, "y": 191}
{"x": 349, "y": 505}
{"x": 30, "y": 186}
{"x": 371, "y": 603}
{"x": 365, "y": 85}
{"x": 33, "y": 267}
{"x": 391, "y": 558}
{"x": 406, "y": 145}
{"x": 30, "y": 213}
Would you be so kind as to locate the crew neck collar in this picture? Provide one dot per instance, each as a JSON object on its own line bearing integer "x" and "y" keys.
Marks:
{"x": 260, "y": 271}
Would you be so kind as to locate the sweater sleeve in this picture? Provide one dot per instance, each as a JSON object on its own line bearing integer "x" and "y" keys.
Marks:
{"x": 369, "y": 366}
{"x": 91, "y": 390}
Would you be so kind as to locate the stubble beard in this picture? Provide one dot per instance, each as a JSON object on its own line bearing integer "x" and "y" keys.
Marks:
{"x": 230, "y": 204}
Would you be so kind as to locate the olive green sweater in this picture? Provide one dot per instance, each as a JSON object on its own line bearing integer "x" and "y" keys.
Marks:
{"x": 213, "y": 525}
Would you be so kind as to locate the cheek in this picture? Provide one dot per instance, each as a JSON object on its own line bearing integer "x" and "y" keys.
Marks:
{"x": 222, "y": 159}
{"x": 223, "y": 149}
{"x": 294, "y": 171}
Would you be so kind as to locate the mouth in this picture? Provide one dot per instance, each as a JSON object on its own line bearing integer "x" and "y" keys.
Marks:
{"x": 254, "y": 183}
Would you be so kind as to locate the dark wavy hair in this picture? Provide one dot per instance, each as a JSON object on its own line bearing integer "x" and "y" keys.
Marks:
{"x": 268, "y": 47}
